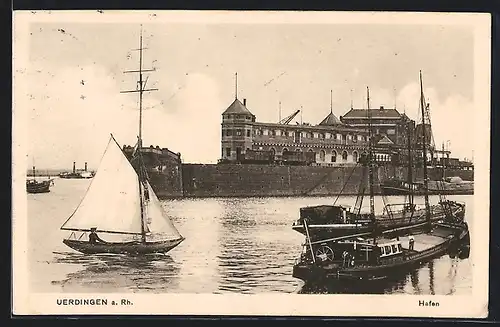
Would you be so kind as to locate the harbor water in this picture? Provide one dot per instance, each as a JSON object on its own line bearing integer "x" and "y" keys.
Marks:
{"x": 238, "y": 245}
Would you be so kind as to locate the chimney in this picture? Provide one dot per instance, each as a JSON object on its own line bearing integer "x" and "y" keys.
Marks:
{"x": 381, "y": 107}
{"x": 245, "y": 102}
{"x": 74, "y": 167}
{"x": 85, "y": 166}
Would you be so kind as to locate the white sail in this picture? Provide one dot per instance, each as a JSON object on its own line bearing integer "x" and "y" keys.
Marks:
{"x": 112, "y": 202}
{"x": 157, "y": 225}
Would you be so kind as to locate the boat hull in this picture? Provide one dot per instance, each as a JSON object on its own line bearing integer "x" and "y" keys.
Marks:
{"x": 395, "y": 190}
{"x": 394, "y": 226}
{"x": 43, "y": 187}
{"x": 339, "y": 230}
{"x": 458, "y": 242}
{"x": 133, "y": 248}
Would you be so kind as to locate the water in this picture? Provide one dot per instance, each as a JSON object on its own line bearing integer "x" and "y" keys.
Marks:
{"x": 241, "y": 245}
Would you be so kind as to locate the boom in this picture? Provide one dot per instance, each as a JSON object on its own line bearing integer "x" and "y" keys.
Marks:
{"x": 288, "y": 119}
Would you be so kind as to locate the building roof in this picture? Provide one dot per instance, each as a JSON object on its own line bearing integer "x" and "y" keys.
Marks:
{"x": 385, "y": 140}
{"x": 375, "y": 113}
{"x": 237, "y": 108}
{"x": 330, "y": 120}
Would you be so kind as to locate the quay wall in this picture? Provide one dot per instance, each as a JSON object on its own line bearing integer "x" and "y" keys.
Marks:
{"x": 227, "y": 180}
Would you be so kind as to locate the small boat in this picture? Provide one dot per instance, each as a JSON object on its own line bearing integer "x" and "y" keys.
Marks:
{"x": 38, "y": 186}
{"x": 122, "y": 207}
{"x": 375, "y": 256}
{"x": 324, "y": 221}
{"x": 450, "y": 185}
{"x": 372, "y": 259}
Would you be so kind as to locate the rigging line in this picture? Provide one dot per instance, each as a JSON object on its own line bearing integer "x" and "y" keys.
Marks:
{"x": 345, "y": 184}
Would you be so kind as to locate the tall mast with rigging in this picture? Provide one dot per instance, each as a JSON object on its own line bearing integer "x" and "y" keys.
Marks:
{"x": 424, "y": 153}
{"x": 141, "y": 88}
{"x": 410, "y": 167}
{"x": 370, "y": 157}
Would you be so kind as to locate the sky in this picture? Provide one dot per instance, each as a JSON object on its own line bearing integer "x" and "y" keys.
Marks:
{"x": 75, "y": 76}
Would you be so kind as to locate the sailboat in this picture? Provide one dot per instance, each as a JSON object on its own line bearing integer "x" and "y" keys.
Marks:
{"x": 120, "y": 204}
{"x": 38, "y": 186}
{"x": 378, "y": 256}
{"x": 327, "y": 221}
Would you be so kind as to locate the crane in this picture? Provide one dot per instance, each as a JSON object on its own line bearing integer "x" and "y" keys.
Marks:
{"x": 288, "y": 119}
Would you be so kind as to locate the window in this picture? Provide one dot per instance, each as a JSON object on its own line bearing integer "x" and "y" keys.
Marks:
{"x": 273, "y": 133}
{"x": 290, "y": 133}
{"x": 400, "y": 248}
{"x": 322, "y": 155}
{"x": 248, "y": 133}
{"x": 334, "y": 156}
{"x": 387, "y": 249}
{"x": 238, "y": 132}
{"x": 382, "y": 251}
{"x": 228, "y": 152}
{"x": 394, "y": 248}
{"x": 344, "y": 155}
{"x": 355, "y": 156}
{"x": 285, "y": 150}
{"x": 266, "y": 132}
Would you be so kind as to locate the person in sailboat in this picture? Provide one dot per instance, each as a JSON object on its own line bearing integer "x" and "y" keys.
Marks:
{"x": 94, "y": 238}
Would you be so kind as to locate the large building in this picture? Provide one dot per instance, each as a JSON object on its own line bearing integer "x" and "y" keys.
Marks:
{"x": 332, "y": 142}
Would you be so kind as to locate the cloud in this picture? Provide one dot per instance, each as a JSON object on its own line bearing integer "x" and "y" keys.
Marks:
{"x": 196, "y": 118}
{"x": 450, "y": 119}
{"x": 73, "y": 111}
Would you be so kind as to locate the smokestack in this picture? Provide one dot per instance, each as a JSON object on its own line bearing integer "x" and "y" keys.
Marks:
{"x": 245, "y": 102}
{"x": 74, "y": 167}
{"x": 85, "y": 166}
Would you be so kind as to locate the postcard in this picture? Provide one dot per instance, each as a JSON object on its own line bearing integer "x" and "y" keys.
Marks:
{"x": 251, "y": 163}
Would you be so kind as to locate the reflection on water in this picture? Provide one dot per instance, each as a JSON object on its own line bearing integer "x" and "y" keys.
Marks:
{"x": 231, "y": 245}
{"x": 155, "y": 273}
{"x": 417, "y": 281}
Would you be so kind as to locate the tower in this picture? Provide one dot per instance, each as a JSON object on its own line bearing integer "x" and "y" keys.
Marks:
{"x": 237, "y": 131}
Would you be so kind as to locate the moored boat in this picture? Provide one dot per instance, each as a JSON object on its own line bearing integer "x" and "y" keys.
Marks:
{"x": 325, "y": 221}
{"x": 378, "y": 258}
{"x": 373, "y": 255}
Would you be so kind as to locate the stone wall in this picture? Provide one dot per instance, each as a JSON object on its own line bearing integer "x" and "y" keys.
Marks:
{"x": 210, "y": 180}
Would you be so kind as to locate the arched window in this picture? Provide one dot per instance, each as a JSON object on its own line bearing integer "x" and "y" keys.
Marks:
{"x": 322, "y": 155}
{"x": 298, "y": 150}
{"x": 285, "y": 150}
{"x": 334, "y": 156}
{"x": 310, "y": 150}
{"x": 355, "y": 156}
{"x": 344, "y": 155}
{"x": 273, "y": 151}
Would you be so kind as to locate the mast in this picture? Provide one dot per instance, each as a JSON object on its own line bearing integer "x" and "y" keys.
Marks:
{"x": 141, "y": 170}
{"x": 424, "y": 153}
{"x": 370, "y": 157}
{"x": 410, "y": 166}
{"x": 331, "y": 101}
{"x": 442, "y": 156}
